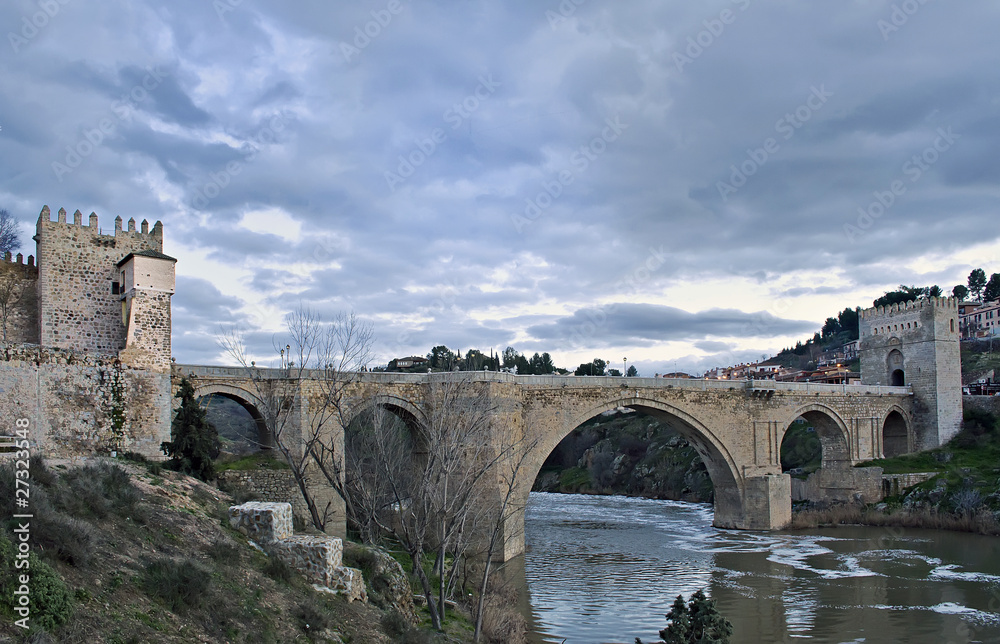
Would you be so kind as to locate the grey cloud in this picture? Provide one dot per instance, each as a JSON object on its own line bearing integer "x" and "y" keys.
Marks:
{"x": 630, "y": 323}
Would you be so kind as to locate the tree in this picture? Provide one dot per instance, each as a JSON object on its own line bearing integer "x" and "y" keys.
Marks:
{"x": 593, "y": 368}
{"x": 442, "y": 358}
{"x": 902, "y": 294}
{"x": 935, "y": 291}
{"x": 614, "y": 373}
{"x": 977, "y": 281}
{"x": 848, "y": 320}
{"x": 960, "y": 292}
{"x": 992, "y": 290}
{"x": 433, "y": 499}
{"x": 10, "y": 233}
{"x": 699, "y": 621}
{"x": 831, "y": 327}
{"x": 195, "y": 443}
{"x": 632, "y": 372}
{"x": 541, "y": 364}
{"x": 510, "y": 358}
{"x": 334, "y": 352}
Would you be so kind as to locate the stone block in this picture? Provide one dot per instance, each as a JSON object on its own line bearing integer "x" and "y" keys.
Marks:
{"x": 316, "y": 557}
{"x": 349, "y": 582}
{"x": 265, "y": 522}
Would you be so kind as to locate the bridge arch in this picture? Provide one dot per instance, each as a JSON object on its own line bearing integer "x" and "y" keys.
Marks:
{"x": 896, "y": 432}
{"x": 722, "y": 468}
{"x": 833, "y": 433}
{"x": 246, "y": 399}
{"x": 405, "y": 409}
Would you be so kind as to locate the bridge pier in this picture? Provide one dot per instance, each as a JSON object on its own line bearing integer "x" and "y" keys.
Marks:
{"x": 767, "y": 503}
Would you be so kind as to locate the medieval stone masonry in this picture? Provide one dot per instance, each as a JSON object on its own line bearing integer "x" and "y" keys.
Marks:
{"x": 916, "y": 344}
{"x": 87, "y": 355}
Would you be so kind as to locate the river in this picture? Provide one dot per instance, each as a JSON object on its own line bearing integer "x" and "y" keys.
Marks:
{"x": 607, "y": 568}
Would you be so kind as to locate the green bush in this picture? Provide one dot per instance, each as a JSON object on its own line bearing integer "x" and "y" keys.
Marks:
{"x": 51, "y": 600}
{"x": 181, "y": 584}
{"x": 698, "y": 621}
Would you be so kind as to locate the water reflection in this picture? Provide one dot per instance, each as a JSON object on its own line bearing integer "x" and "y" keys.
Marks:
{"x": 606, "y": 569}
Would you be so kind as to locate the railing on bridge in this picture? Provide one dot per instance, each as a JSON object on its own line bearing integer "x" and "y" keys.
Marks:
{"x": 202, "y": 371}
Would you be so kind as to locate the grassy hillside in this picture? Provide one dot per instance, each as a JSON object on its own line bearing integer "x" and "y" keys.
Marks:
{"x": 968, "y": 467}
{"x": 130, "y": 553}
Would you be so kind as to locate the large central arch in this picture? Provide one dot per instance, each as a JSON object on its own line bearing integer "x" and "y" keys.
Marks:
{"x": 721, "y": 466}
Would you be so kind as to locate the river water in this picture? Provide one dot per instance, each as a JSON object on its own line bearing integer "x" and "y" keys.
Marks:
{"x": 606, "y": 569}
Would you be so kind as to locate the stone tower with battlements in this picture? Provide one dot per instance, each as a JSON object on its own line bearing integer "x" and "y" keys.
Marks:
{"x": 104, "y": 293}
{"x": 917, "y": 344}
{"x": 87, "y": 354}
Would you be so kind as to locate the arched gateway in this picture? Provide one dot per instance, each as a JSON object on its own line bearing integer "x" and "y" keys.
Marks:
{"x": 737, "y": 427}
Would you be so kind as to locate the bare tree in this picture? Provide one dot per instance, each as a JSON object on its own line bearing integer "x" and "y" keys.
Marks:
{"x": 303, "y": 400}
{"x": 10, "y": 233}
{"x": 510, "y": 470}
{"x": 444, "y": 490}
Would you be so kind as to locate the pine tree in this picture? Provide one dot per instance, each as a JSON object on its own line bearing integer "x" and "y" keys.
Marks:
{"x": 699, "y": 621}
{"x": 195, "y": 442}
{"x": 707, "y": 625}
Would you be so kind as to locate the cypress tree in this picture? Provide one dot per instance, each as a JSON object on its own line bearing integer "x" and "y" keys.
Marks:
{"x": 195, "y": 441}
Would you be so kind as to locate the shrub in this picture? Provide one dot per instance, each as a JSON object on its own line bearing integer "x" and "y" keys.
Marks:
{"x": 97, "y": 491}
{"x": 278, "y": 570}
{"x": 309, "y": 618}
{"x": 181, "y": 584}
{"x": 51, "y": 600}
{"x": 224, "y": 553}
{"x": 394, "y": 624}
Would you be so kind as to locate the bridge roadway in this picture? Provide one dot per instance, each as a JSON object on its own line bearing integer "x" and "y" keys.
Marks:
{"x": 736, "y": 426}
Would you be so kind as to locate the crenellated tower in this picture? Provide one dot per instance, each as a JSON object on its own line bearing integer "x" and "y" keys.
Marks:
{"x": 84, "y": 302}
{"x": 917, "y": 344}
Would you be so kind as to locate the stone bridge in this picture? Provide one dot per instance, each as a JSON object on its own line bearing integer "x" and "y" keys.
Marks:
{"x": 736, "y": 426}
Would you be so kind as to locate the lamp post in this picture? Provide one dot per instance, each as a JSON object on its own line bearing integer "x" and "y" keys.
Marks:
{"x": 625, "y": 367}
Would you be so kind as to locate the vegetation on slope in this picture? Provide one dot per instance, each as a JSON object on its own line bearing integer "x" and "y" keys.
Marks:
{"x": 963, "y": 495}
{"x": 128, "y": 553}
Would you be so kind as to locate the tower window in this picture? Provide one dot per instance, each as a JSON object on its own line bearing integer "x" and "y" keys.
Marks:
{"x": 115, "y": 288}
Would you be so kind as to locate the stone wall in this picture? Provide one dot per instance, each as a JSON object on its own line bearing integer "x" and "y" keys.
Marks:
{"x": 840, "y": 485}
{"x": 925, "y": 335}
{"x": 982, "y": 403}
{"x": 273, "y": 486}
{"x": 19, "y": 295}
{"x": 81, "y": 404}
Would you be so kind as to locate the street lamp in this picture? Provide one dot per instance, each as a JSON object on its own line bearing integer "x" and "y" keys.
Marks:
{"x": 625, "y": 367}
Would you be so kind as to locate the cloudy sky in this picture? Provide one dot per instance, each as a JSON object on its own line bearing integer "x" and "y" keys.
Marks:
{"x": 683, "y": 184}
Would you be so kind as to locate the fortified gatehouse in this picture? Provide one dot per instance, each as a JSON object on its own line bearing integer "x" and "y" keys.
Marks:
{"x": 86, "y": 353}
{"x": 916, "y": 344}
